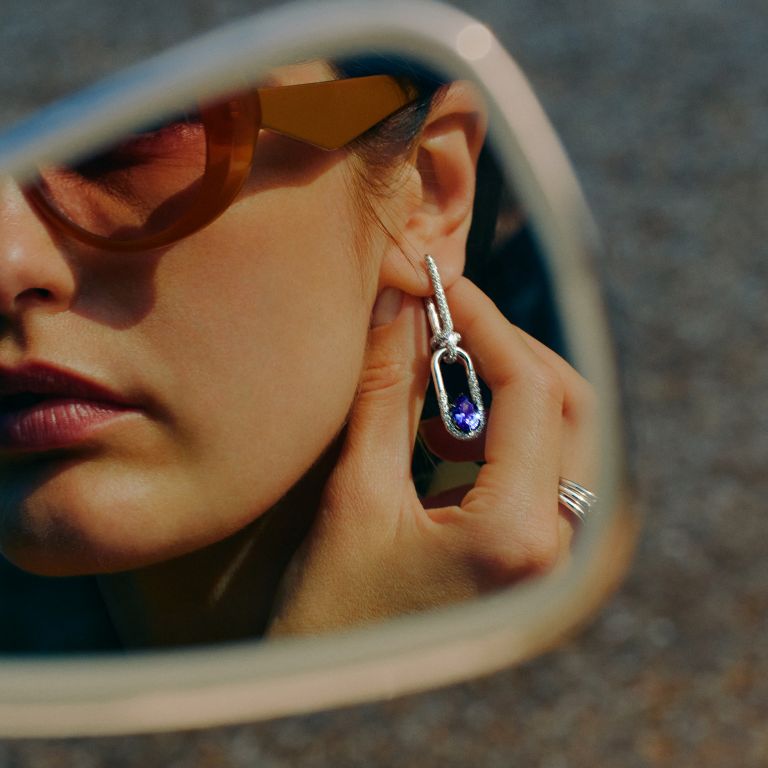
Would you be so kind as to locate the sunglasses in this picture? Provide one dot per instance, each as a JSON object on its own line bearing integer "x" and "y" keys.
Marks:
{"x": 168, "y": 181}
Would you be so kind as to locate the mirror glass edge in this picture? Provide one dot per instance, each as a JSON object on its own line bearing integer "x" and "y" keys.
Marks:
{"x": 45, "y": 667}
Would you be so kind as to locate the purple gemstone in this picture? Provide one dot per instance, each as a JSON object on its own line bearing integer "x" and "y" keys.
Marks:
{"x": 465, "y": 415}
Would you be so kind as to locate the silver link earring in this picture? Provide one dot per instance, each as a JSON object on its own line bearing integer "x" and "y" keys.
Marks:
{"x": 464, "y": 417}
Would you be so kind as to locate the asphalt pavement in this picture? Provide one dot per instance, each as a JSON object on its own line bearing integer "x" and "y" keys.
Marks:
{"x": 663, "y": 108}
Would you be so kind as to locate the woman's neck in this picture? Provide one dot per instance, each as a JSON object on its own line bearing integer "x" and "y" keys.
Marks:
{"x": 224, "y": 591}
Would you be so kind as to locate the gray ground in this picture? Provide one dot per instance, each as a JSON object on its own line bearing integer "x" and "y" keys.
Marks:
{"x": 664, "y": 109}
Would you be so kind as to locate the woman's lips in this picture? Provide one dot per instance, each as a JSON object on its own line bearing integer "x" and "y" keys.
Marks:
{"x": 54, "y": 423}
{"x": 43, "y": 408}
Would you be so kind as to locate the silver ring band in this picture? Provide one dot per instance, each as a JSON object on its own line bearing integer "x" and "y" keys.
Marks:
{"x": 576, "y": 498}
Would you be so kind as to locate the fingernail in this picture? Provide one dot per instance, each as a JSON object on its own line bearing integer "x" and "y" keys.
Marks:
{"x": 387, "y": 307}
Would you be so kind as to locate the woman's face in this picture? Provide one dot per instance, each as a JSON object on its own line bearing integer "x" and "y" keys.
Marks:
{"x": 233, "y": 353}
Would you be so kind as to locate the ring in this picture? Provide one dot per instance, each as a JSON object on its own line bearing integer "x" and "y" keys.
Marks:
{"x": 575, "y": 498}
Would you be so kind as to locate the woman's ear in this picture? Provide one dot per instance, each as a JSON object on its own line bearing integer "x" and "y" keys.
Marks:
{"x": 438, "y": 193}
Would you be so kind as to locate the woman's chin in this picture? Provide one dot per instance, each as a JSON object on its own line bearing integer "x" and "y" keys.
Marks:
{"x": 86, "y": 518}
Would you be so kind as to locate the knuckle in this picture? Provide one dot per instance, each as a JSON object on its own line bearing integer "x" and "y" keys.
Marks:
{"x": 507, "y": 559}
{"x": 583, "y": 398}
{"x": 383, "y": 376}
{"x": 532, "y": 378}
{"x": 540, "y": 552}
{"x": 548, "y": 386}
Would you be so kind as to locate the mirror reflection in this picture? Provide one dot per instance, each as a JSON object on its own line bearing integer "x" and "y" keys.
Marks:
{"x": 216, "y": 414}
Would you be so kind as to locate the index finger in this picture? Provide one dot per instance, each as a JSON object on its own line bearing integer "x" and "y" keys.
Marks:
{"x": 519, "y": 482}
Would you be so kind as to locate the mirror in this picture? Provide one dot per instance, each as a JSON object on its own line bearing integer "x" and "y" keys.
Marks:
{"x": 231, "y": 475}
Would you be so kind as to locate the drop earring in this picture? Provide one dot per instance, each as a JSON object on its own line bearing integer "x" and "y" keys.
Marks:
{"x": 464, "y": 417}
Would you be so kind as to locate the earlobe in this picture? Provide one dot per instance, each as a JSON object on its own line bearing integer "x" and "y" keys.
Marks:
{"x": 441, "y": 193}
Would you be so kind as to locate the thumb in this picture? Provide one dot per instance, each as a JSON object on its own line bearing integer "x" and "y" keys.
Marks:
{"x": 385, "y": 416}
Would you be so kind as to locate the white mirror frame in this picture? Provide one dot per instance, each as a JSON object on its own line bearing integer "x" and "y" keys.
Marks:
{"x": 154, "y": 691}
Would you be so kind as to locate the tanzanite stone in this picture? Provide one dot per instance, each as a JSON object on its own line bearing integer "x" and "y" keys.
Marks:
{"x": 465, "y": 415}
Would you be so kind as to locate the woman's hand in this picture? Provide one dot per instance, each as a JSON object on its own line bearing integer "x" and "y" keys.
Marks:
{"x": 376, "y": 549}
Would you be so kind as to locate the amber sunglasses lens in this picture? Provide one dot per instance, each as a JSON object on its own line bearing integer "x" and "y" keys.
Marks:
{"x": 135, "y": 188}
{"x": 167, "y": 181}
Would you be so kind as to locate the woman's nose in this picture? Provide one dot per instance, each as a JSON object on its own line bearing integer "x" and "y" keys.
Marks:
{"x": 34, "y": 273}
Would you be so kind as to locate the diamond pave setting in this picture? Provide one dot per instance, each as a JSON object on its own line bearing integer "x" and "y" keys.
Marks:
{"x": 465, "y": 417}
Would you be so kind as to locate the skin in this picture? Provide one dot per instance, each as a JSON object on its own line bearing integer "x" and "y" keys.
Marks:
{"x": 153, "y": 327}
{"x": 279, "y": 359}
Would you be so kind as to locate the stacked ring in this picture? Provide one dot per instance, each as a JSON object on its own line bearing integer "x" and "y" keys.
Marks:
{"x": 575, "y": 498}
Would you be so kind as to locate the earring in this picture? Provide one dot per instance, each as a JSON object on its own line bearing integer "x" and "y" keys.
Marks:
{"x": 464, "y": 418}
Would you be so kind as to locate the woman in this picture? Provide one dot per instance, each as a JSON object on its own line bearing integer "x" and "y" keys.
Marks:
{"x": 219, "y": 420}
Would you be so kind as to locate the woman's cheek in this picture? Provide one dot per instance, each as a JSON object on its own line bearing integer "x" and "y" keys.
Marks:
{"x": 252, "y": 349}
